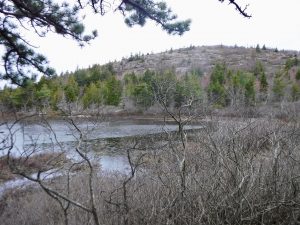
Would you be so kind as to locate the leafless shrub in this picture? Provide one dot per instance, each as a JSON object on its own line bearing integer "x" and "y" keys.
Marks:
{"x": 235, "y": 171}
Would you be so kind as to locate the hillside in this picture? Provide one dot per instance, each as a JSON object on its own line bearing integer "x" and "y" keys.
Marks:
{"x": 204, "y": 58}
{"x": 222, "y": 76}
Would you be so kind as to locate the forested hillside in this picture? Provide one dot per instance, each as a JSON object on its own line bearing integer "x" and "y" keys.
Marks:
{"x": 223, "y": 76}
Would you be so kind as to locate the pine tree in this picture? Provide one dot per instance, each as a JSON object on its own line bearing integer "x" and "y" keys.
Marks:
{"x": 263, "y": 83}
{"x": 71, "y": 90}
{"x": 92, "y": 95}
{"x": 216, "y": 88}
{"x": 250, "y": 91}
{"x": 259, "y": 68}
{"x": 43, "y": 16}
{"x": 22, "y": 62}
{"x": 257, "y": 49}
{"x": 278, "y": 88}
{"x": 112, "y": 91}
{"x": 295, "y": 92}
{"x": 298, "y": 74}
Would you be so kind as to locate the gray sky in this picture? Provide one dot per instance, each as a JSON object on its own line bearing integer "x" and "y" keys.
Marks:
{"x": 274, "y": 23}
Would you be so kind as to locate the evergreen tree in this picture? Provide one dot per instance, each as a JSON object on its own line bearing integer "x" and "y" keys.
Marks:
{"x": 259, "y": 68}
{"x": 92, "y": 95}
{"x": 278, "y": 88}
{"x": 250, "y": 91}
{"x": 130, "y": 82}
{"x": 192, "y": 89}
{"x": 179, "y": 96}
{"x": 298, "y": 74}
{"x": 43, "y": 16}
{"x": 112, "y": 91}
{"x": 148, "y": 77}
{"x": 295, "y": 92}
{"x": 56, "y": 97}
{"x": 43, "y": 96}
{"x": 263, "y": 83}
{"x": 257, "y": 49}
{"x": 21, "y": 60}
{"x": 71, "y": 90}
{"x": 188, "y": 89}
{"x": 143, "y": 95}
{"x": 17, "y": 96}
{"x": 164, "y": 86}
{"x": 216, "y": 88}
{"x": 290, "y": 62}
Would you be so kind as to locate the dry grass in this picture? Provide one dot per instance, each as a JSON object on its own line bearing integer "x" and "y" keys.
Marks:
{"x": 32, "y": 164}
{"x": 236, "y": 173}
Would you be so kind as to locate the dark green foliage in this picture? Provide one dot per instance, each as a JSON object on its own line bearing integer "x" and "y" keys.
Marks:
{"x": 92, "y": 95}
{"x": 148, "y": 77}
{"x": 99, "y": 73}
{"x": 85, "y": 77}
{"x": 218, "y": 74}
{"x": 81, "y": 77}
{"x": 112, "y": 91}
{"x": 187, "y": 90}
{"x": 179, "y": 97}
{"x": 17, "y": 97}
{"x": 130, "y": 81}
{"x": 130, "y": 78}
{"x": 56, "y": 97}
{"x": 278, "y": 88}
{"x": 295, "y": 92}
{"x": 43, "y": 96}
{"x": 241, "y": 88}
{"x": 249, "y": 91}
{"x": 257, "y": 49}
{"x": 264, "y": 48}
{"x": 298, "y": 74}
{"x": 216, "y": 88}
{"x": 163, "y": 86}
{"x": 263, "y": 82}
{"x": 197, "y": 71}
{"x": 71, "y": 90}
{"x": 259, "y": 69}
{"x": 290, "y": 62}
{"x": 143, "y": 95}
{"x": 21, "y": 60}
{"x": 139, "y": 88}
{"x": 140, "y": 11}
{"x": 135, "y": 57}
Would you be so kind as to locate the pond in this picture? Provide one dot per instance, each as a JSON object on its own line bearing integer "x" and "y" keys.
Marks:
{"x": 56, "y": 135}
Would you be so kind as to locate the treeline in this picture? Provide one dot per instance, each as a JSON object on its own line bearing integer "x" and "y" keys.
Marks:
{"x": 234, "y": 88}
{"x": 100, "y": 86}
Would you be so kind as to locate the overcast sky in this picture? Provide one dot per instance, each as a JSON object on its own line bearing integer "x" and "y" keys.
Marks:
{"x": 274, "y": 23}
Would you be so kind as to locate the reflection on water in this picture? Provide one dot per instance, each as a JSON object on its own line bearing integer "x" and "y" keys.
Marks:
{"x": 102, "y": 138}
{"x": 59, "y": 135}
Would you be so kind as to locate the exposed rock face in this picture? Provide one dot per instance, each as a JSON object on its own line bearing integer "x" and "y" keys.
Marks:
{"x": 203, "y": 59}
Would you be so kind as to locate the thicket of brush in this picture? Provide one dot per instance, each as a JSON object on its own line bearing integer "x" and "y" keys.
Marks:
{"x": 235, "y": 172}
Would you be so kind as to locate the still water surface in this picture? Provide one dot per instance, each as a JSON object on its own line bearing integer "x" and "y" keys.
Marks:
{"x": 60, "y": 134}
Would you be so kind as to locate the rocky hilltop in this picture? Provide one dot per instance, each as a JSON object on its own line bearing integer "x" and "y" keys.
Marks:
{"x": 204, "y": 58}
